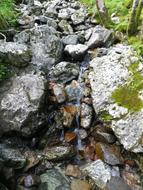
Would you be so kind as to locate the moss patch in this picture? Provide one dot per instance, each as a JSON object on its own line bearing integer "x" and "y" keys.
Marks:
{"x": 127, "y": 95}
{"x": 106, "y": 116}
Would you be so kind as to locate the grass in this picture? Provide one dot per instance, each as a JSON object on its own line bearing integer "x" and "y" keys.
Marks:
{"x": 7, "y": 14}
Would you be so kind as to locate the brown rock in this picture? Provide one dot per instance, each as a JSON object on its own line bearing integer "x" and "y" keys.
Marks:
{"x": 132, "y": 178}
{"x": 103, "y": 134}
{"x": 73, "y": 170}
{"x": 80, "y": 185}
{"x": 109, "y": 153}
{"x": 70, "y": 136}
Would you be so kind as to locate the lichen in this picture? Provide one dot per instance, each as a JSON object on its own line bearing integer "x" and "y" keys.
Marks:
{"x": 127, "y": 95}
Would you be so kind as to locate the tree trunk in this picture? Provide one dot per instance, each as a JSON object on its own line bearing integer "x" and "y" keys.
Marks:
{"x": 140, "y": 7}
{"x": 132, "y": 27}
{"x": 103, "y": 12}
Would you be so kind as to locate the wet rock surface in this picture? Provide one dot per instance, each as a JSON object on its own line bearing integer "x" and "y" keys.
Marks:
{"x": 60, "y": 129}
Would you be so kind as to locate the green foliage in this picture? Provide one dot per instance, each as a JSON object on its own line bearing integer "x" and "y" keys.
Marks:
{"x": 3, "y": 72}
{"x": 7, "y": 14}
{"x": 137, "y": 44}
{"x": 90, "y": 4}
{"x": 128, "y": 94}
{"x": 106, "y": 116}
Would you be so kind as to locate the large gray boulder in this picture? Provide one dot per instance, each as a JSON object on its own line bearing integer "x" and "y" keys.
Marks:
{"x": 14, "y": 53}
{"x": 45, "y": 44}
{"x": 117, "y": 91}
{"x": 21, "y": 103}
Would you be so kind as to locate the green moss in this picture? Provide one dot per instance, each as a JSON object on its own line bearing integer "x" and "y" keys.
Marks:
{"x": 106, "y": 116}
{"x": 128, "y": 94}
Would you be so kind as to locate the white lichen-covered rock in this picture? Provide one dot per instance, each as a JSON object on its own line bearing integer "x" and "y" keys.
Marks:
{"x": 98, "y": 172}
{"x": 109, "y": 73}
{"x": 76, "y": 51}
{"x": 15, "y": 53}
{"x": 21, "y": 103}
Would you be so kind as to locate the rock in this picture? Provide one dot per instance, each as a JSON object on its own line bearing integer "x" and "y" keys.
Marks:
{"x": 59, "y": 93}
{"x": 79, "y": 16}
{"x": 54, "y": 179}
{"x": 63, "y": 72}
{"x": 103, "y": 134}
{"x": 76, "y": 51}
{"x": 2, "y": 187}
{"x": 45, "y": 45}
{"x": 98, "y": 173}
{"x": 70, "y": 39}
{"x": 32, "y": 159}
{"x": 65, "y": 13}
{"x": 31, "y": 180}
{"x": 82, "y": 134}
{"x": 117, "y": 183}
{"x": 70, "y": 136}
{"x": 74, "y": 91}
{"x": 78, "y": 184}
{"x": 86, "y": 115}
{"x": 132, "y": 178}
{"x": 25, "y": 188}
{"x": 73, "y": 170}
{"x": 15, "y": 53}
{"x": 100, "y": 37}
{"x": 111, "y": 154}
{"x": 69, "y": 112}
{"x": 19, "y": 106}
{"x": 65, "y": 27}
{"x": 112, "y": 95}
{"x": 58, "y": 153}
{"x": 11, "y": 157}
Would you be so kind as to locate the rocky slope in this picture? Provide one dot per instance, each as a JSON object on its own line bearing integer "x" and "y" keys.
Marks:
{"x": 71, "y": 109}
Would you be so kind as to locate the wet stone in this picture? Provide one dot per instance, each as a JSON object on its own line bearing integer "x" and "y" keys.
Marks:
{"x": 118, "y": 184}
{"x": 103, "y": 134}
{"x": 11, "y": 157}
{"x": 98, "y": 172}
{"x": 73, "y": 91}
{"x": 73, "y": 170}
{"x": 82, "y": 134}
{"x": 32, "y": 180}
{"x": 80, "y": 185}
{"x": 59, "y": 153}
{"x": 59, "y": 93}
{"x": 63, "y": 72}
{"x": 111, "y": 154}
{"x": 54, "y": 180}
{"x": 86, "y": 114}
{"x": 69, "y": 112}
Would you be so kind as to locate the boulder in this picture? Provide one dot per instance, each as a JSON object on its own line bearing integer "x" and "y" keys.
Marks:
{"x": 15, "y": 53}
{"x": 21, "y": 103}
{"x": 45, "y": 44}
{"x": 63, "y": 72}
{"x": 116, "y": 81}
{"x": 100, "y": 36}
